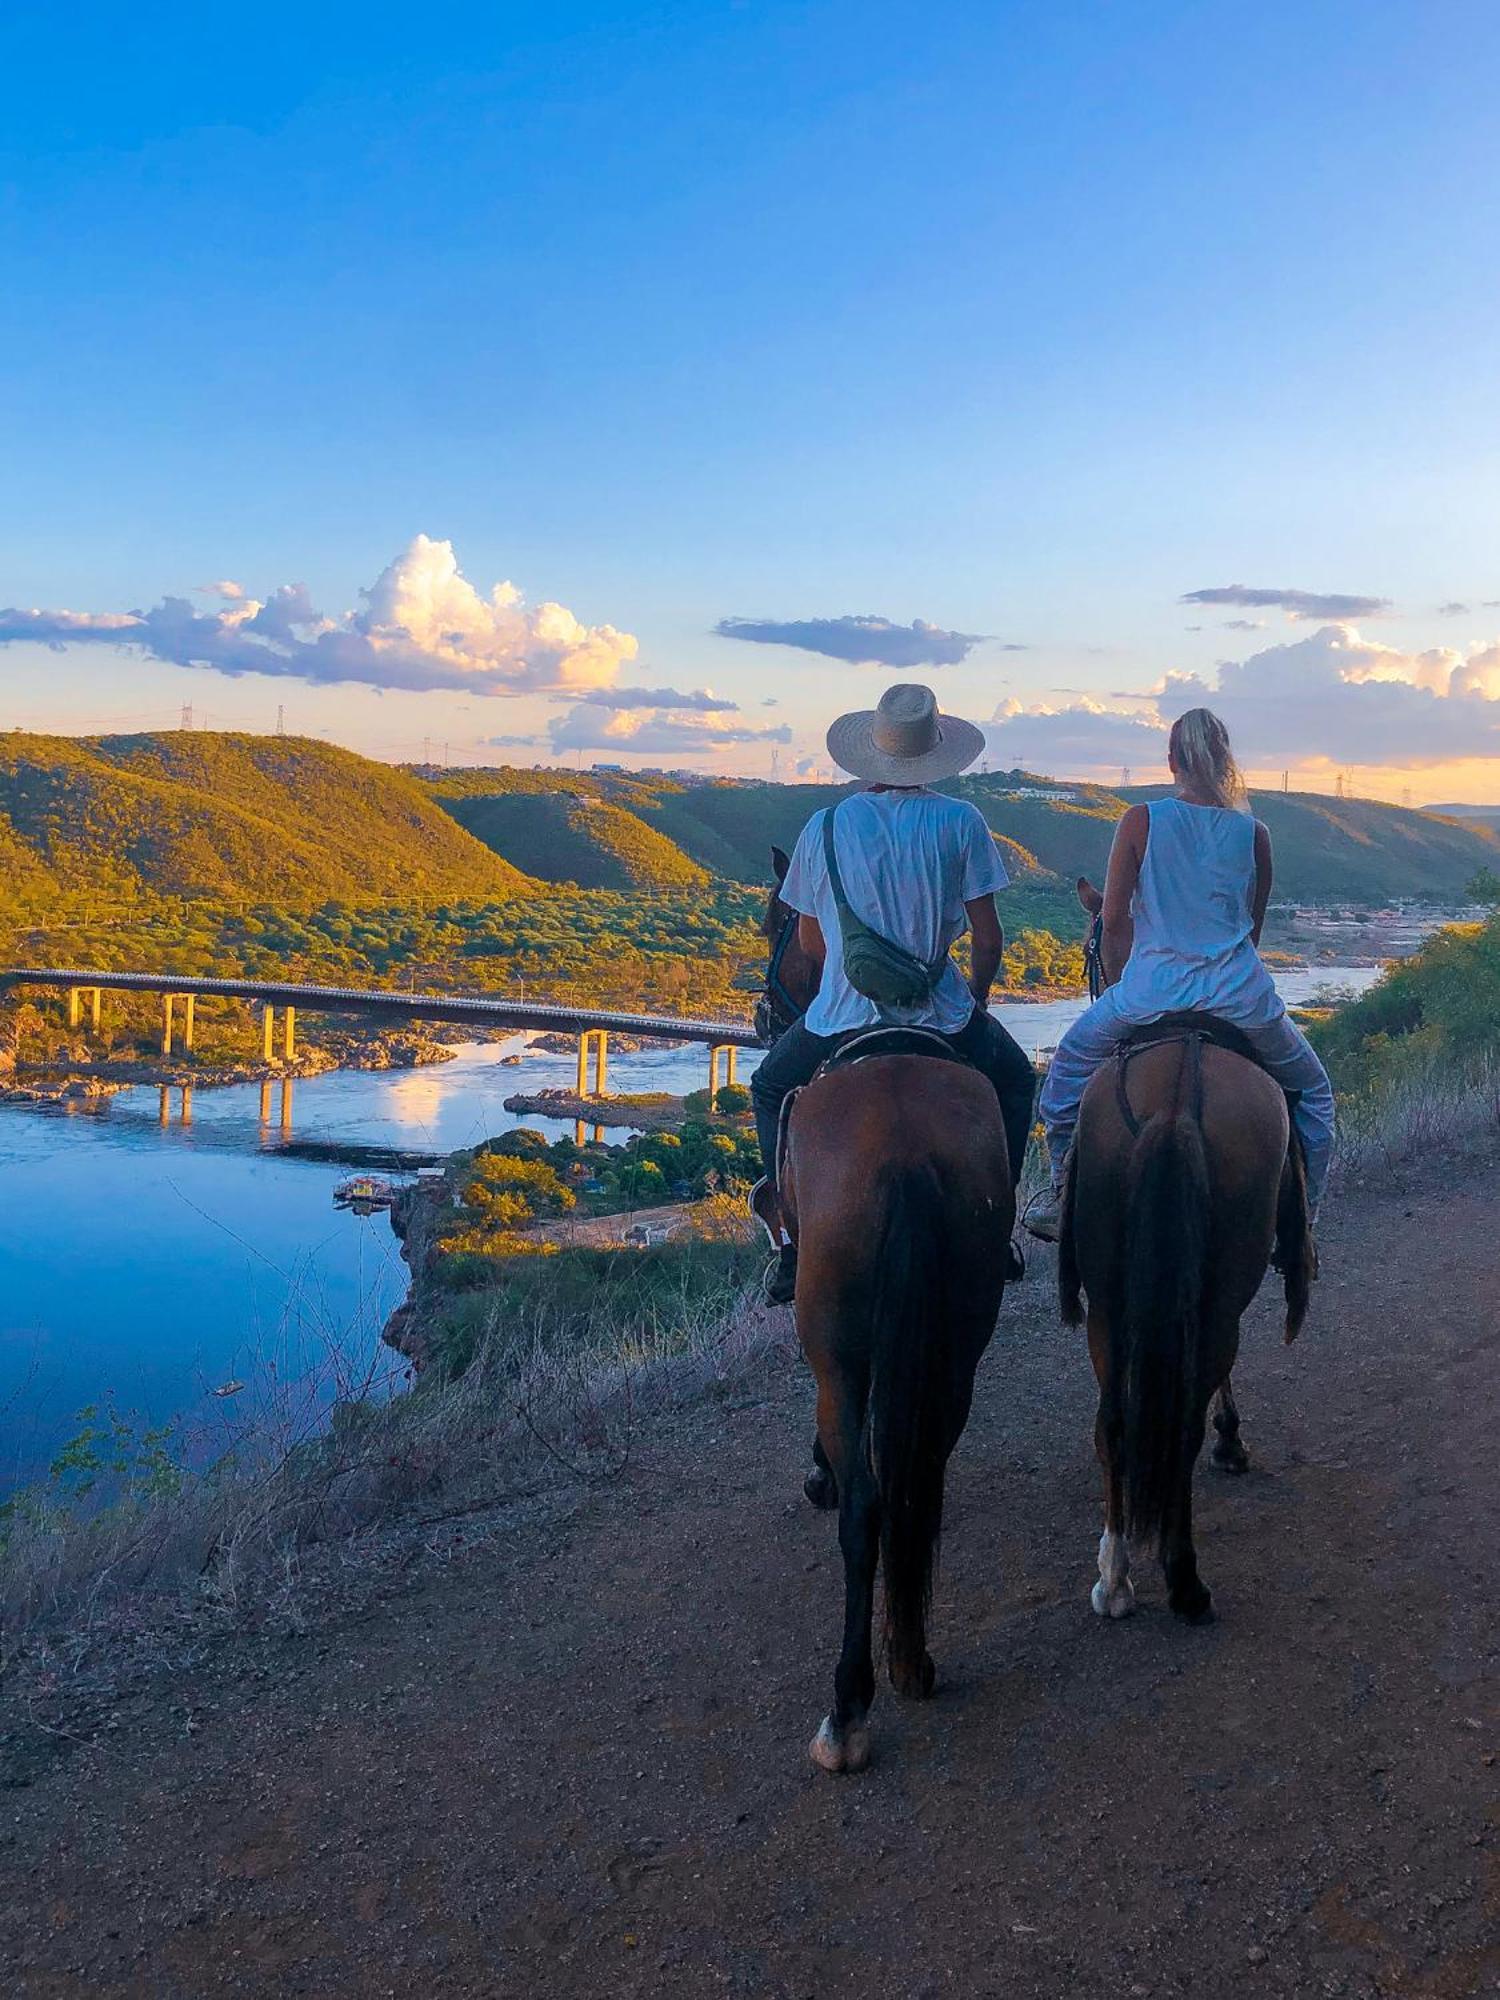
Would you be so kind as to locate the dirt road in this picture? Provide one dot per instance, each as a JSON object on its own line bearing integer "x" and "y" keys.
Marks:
{"x": 564, "y": 1754}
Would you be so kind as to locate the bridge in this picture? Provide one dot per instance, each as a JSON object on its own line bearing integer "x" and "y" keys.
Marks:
{"x": 593, "y": 1026}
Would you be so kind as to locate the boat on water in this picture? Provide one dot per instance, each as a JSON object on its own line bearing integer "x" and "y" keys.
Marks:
{"x": 364, "y": 1193}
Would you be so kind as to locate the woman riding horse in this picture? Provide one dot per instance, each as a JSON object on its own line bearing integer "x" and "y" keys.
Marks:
{"x": 1180, "y": 1179}
{"x": 1189, "y": 880}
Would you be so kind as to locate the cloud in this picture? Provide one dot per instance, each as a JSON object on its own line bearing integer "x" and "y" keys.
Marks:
{"x": 1453, "y": 609}
{"x": 593, "y": 726}
{"x": 423, "y": 627}
{"x": 700, "y": 701}
{"x": 1332, "y": 696}
{"x": 512, "y": 742}
{"x": 1296, "y": 603}
{"x": 1244, "y": 624}
{"x": 226, "y": 587}
{"x": 863, "y": 641}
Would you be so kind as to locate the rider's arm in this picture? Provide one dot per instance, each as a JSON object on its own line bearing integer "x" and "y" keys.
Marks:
{"x": 810, "y": 937}
{"x": 1125, "y": 859}
{"x": 986, "y": 946}
{"x": 1265, "y": 874}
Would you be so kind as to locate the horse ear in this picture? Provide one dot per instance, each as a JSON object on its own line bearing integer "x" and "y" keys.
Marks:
{"x": 1089, "y": 896}
{"x": 780, "y": 861}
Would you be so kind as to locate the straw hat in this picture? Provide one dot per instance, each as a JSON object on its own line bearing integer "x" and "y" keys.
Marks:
{"x": 905, "y": 741}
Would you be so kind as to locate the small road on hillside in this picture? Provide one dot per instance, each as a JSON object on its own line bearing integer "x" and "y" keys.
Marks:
{"x": 561, "y": 1751}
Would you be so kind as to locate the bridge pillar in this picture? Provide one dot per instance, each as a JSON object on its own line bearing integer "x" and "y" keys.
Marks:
{"x": 97, "y": 1007}
{"x": 289, "y": 1045}
{"x": 597, "y": 1040}
{"x": 267, "y": 1031}
{"x": 189, "y": 1009}
{"x": 75, "y": 994}
{"x": 168, "y": 1003}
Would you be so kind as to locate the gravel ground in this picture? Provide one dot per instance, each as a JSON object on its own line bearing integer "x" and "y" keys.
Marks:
{"x": 561, "y": 1748}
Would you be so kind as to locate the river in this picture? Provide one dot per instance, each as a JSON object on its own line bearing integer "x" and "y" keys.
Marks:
{"x": 157, "y": 1251}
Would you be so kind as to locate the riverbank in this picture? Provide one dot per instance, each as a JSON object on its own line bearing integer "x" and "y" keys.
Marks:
{"x": 391, "y": 1048}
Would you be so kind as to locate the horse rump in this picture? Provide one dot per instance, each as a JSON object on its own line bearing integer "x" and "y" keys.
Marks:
{"x": 1155, "y": 1327}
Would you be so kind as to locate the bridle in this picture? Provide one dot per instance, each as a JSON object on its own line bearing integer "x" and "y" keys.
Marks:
{"x": 777, "y": 1009}
{"x": 1093, "y": 957}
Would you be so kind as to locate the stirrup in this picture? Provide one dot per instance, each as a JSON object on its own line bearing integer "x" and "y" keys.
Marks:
{"x": 766, "y": 1210}
{"x": 1046, "y": 1229}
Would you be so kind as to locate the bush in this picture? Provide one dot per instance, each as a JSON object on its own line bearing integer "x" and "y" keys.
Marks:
{"x": 732, "y": 1101}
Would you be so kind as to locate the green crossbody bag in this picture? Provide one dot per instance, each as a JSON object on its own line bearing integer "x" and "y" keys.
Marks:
{"x": 883, "y": 972}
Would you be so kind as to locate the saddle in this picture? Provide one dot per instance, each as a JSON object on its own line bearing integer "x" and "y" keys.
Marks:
{"x": 880, "y": 1041}
{"x": 1197, "y": 1030}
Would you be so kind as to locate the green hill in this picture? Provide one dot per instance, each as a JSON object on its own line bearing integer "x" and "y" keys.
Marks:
{"x": 228, "y": 817}
{"x": 567, "y": 831}
{"x": 616, "y": 828}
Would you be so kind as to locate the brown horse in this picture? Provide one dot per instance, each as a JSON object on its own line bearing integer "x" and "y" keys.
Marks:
{"x": 1181, "y": 1186}
{"x": 896, "y": 1186}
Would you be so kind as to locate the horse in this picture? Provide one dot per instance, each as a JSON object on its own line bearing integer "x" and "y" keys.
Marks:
{"x": 895, "y": 1185}
{"x": 1229, "y": 1453}
{"x": 1182, "y": 1184}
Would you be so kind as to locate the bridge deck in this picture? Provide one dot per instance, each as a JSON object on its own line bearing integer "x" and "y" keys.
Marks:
{"x": 448, "y": 1007}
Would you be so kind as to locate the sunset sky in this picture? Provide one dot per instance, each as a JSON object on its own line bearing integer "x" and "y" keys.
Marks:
{"x": 646, "y": 384}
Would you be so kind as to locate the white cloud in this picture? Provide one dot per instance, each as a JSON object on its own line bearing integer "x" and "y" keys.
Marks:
{"x": 593, "y": 726}
{"x": 1333, "y": 696}
{"x": 423, "y": 626}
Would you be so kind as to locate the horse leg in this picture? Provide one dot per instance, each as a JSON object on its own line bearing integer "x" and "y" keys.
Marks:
{"x": 843, "y": 1740}
{"x": 820, "y": 1486}
{"x": 1229, "y": 1453}
{"x": 1113, "y": 1596}
{"x": 1187, "y": 1594}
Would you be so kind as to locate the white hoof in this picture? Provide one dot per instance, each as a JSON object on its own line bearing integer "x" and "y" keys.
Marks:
{"x": 837, "y": 1753}
{"x": 1113, "y": 1602}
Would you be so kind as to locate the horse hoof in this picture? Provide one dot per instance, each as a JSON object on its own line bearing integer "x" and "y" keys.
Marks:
{"x": 1116, "y": 1603}
{"x": 840, "y": 1751}
{"x": 1231, "y": 1458}
{"x": 822, "y": 1489}
{"x": 914, "y": 1683}
{"x": 1196, "y": 1606}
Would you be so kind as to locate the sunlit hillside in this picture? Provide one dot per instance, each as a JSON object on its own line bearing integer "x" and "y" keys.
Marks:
{"x": 228, "y": 817}
{"x": 562, "y": 824}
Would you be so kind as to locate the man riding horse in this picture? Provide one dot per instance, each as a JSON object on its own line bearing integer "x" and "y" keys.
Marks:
{"x": 883, "y": 886}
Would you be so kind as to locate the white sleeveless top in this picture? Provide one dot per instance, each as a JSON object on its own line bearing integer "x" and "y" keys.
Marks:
{"x": 1193, "y": 920}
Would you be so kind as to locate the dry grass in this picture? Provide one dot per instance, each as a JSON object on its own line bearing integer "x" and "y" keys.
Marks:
{"x": 170, "y": 1544}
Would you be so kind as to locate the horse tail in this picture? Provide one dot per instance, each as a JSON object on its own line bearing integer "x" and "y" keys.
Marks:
{"x": 1156, "y": 1337}
{"x": 909, "y": 1393}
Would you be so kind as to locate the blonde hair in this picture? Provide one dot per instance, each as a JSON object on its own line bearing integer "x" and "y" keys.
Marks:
{"x": 1200, "y": 752}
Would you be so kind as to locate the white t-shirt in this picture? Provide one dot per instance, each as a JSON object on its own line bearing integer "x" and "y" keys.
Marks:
{"x": 909, "y": 862}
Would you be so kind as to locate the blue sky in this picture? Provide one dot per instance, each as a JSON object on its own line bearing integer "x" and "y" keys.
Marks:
{"x": 1023, "y": 322}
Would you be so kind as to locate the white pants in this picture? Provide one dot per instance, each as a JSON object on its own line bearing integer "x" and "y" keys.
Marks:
{"x": 1281, "y": 1045}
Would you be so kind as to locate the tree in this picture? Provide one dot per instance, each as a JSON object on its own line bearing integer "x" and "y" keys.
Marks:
{"x": 1484, "y": 887}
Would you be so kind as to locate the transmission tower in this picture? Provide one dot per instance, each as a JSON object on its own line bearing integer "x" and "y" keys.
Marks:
{"x": 280, "y": 720}
{"x": 1286, "y": 781}
{"x": 1124, "y": 777}
{"x": 185, "y": 721}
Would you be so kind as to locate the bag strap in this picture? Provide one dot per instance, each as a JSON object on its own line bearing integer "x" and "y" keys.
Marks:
{"x": 830, "y": 856}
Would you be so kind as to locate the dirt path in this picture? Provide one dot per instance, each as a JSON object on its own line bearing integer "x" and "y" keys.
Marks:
{"x": 565, "y": 1755}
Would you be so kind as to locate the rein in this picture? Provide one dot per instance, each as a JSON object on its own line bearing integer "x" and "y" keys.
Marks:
{"x": 778, "y": 1009}
{"x": 1093, "y": 957}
